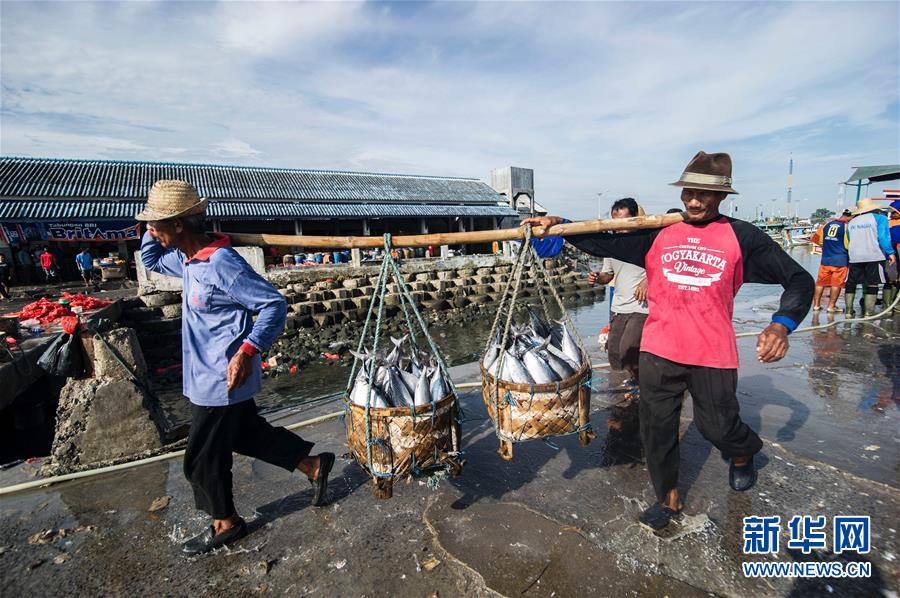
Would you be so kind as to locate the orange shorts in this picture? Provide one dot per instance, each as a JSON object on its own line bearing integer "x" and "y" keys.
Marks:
{"x": 832, "y": 276}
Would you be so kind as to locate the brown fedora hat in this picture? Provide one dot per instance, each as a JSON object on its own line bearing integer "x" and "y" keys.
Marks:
{"x": 172, "y": 199}
{"x": 710, "y": 172}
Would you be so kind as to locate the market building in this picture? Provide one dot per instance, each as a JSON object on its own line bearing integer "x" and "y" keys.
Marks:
{"x": 69, "y": 204}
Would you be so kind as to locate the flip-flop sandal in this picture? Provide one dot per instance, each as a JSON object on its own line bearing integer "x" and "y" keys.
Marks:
{"x": 657, "y": 516}
{"x": 320, "y": 484}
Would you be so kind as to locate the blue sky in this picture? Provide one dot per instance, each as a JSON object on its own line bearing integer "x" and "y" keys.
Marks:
{"x": 596, "y": 97}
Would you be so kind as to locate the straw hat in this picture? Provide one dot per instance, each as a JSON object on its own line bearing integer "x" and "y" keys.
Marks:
{"x": 867, "y": 204}
{"x": 172, "y": 199}
{"x": 710, "y": 172}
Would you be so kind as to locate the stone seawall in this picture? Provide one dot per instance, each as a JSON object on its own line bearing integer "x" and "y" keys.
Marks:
{"x": 327, "y": 305}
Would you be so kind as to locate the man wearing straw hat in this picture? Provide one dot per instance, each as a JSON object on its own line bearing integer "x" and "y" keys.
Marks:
{"x": 694, "y": 269}
{"x": 221, "y": 347}
{"x": 869, "y": 245}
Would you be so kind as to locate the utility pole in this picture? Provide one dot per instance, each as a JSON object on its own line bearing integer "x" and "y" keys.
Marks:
{"x": 790, "y": 183}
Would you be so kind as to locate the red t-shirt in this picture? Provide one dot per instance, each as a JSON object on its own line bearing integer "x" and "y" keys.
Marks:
{"x": 693, "y": 274}
{"x": 47, "y": 260}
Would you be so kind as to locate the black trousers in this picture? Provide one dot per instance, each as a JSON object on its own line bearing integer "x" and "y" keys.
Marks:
{"x": 217, "y": 432}
{"x": 624, "y": 341}
{"x": 716, "y": 413}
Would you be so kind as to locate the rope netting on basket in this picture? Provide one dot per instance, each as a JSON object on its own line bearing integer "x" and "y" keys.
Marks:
{"x": 409, "y": 439}
{"x": 532, "y": 410}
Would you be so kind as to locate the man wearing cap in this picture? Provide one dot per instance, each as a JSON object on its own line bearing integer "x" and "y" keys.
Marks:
{"x": 835, "y": 261}
{"x": 221, "y": 347}
{"x": 868, "y": 245}
{"x": 694, "y": 269}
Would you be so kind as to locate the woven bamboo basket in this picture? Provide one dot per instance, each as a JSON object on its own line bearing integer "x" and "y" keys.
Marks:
{"x": 402, "y": 442}
{"x": 525, "y": 412}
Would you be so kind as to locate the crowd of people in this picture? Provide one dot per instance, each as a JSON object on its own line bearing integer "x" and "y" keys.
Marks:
{"x": 859, "y": 247}
{"x": 38, "y": 266}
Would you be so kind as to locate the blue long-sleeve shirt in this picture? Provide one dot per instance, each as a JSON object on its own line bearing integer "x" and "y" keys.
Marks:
{"x": 220, "y": 295}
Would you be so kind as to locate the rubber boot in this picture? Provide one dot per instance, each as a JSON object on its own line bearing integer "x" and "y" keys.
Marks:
{"x": 848, "y": 304}
{"x": 889, "y": 295}
{"x": 869, "y": 306}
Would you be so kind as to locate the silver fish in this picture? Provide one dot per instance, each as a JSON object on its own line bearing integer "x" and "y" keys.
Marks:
{"x": 393, "y": 357}
{"x": 422, "y": 395}
{"x": 491, "y": 356}
{"x": 559, "y": 353}
{"x": 514, "y": 371}
{"x": 437, "y": 387}
{"x": 409, "y": 380}
{"x": 360, "y": 394}
{"x": 540, "y": 328}
{"x": 397, "y": 391}
{"x": 569, "y": 346}
{"x": 561, "y": 367}
{"x": 538, "y": 369}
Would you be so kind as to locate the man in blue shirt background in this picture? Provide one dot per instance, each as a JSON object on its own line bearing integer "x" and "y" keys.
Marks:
{"x": 221, "y": 346}
{"x": 835, "y": 261}
{"x": 85, "y": 263}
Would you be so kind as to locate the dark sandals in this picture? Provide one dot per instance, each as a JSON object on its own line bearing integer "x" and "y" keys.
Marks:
{"x": 209, "y": 540}
{"x": 320, "y": 484}
{"x": 657, "y": 516}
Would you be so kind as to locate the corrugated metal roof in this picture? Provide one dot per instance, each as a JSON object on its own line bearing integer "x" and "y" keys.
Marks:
{"x": 81, "y": 209}
{"x": 47, "y": 178}
{"x": 888, "y": 172}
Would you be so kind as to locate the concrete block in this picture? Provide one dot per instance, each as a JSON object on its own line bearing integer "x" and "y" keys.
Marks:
{"x": 160, "y": 299}
{"x": 459, "y": 301}
{"x": 323, "y": 320}
{"x": 483, "y": 279}
{"x": 465, "y": 273}
{"x": 481, "y": 289}
{"x": 125, "y": 342}
{"x": 361, "y": 302}
{"x": 500, "y": 277}
{"x": 481, "y": 299}
{"x": 445, "y": 274}
{"x": 420, "y": 286}
{"x": 392, "y": 299}
{"x": 351, "y": 283}
{"x": 423, "y": 276}
{"x": 440, "y": 285}
{"x": 317, "y": 296}
{"x": 100, "y": 420}
{"x": 301, "y": 309}
{"x": 484, "y": 271}
{"x": 437, "y": 305}
{"x": 305, "y": 322}
{"x": 171, "y": 311}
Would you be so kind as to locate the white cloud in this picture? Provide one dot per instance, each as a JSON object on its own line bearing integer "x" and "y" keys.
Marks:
{"x": 594, "y": 96}
{"x": 235, "y": 148}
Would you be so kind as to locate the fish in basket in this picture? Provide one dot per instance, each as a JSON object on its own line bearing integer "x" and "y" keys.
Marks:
{"x": 402, "y": 417}
{"x": 536, "y": 384}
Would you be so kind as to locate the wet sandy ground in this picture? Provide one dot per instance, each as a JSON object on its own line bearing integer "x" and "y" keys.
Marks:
{"x": 550, "y": 523}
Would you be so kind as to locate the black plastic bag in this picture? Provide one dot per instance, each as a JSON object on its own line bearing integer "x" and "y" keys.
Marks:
{"x": 63, "y": 357}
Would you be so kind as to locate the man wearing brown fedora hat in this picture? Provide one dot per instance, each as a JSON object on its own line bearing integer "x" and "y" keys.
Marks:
{"x": 221, "y": 347}
{"x": 869, "y": 246}
{"x": 694, "y": 269}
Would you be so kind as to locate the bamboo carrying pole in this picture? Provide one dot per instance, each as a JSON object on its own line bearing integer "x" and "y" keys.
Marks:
{"x": 469, "y": 238}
